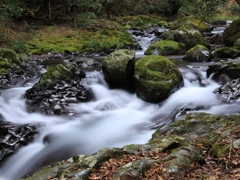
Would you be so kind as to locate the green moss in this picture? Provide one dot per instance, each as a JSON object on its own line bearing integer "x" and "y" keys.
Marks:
{"x": 163, "y": 23}
{"x": 218, "y": 150}
{"x": 156, "y": 67}
{"x": 80, "y": 41}
{"x": 187, "y": 35}
{"x": 225, "y": 52}
{"x": 165, "y": 47}
{"x": 53, "y": 75}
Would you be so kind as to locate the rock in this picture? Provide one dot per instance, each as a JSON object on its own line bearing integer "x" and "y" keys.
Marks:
{"x": 225, "y": 52}
{"x": 58, "y": 87}
{"x": 232, "y": 33}
{"x": 171, "y": 152}
{"x": 165, "y": 47}
{"x": 230, "y": 91}
{"x": 187, "y": 35}
{"x": 134, "y": 170}
{"x": 13, "y": 136}
{"x": 198, "y": 53}
{"x": 156, "y": 77}
{"x": 224, "y": 71}
{"x": 118, "y": 68}
{"x": 9, "y": 61}
{"x": 237, "y": 44}
{"x": 176, "y": 162}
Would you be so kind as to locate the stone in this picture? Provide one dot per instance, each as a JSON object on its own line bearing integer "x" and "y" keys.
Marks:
{"x": 187, "y": 35}
{"x": 225, "y": 52}
{"x": 156, "y": 77}
{"x": 232, "y": 33}
{"x": 198, "y": 53}
{"x": 166, "y": 47}
{"x": 118, "y": 68}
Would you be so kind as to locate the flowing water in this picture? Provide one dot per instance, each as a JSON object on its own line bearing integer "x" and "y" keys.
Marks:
{"x": 115, "y": 118}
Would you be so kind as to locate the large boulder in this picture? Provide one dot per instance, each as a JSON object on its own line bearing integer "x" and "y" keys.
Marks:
{"x": 156, "y": 77}
{"x": 118, "y": 68}
{"x": 187, "y": 35}
{"x": 198, "y": 53}
{"x": 224, "y": 71}
{"x": 166, "y": 47}
{"x": 232, "y": 33}
{"x": 57, "y": 87}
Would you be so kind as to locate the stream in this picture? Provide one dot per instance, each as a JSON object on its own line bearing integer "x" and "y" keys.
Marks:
{"x": 115, "y": 118}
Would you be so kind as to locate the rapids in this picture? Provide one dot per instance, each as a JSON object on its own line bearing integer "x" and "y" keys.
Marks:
{"x": 113, "y": 119}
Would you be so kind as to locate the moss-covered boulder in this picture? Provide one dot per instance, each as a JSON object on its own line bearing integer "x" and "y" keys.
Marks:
{"x": 118, "y": 68}
{"x": 191, "y": 21}
{"x": 232, "y": 33}
{"x": 198, "y": 53}
{"x": 166, "y": 47}
{"x": 225, "y": 52}
{"x": 187, "y": 35}
{"x": 8, "y": 60}
{"x": 237, "y": 44}
{"x": 156, "y": 77}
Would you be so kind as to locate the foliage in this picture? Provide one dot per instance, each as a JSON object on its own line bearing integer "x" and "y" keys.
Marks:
{"x": 18, "y": 45}
{"x": 202, "y": 9}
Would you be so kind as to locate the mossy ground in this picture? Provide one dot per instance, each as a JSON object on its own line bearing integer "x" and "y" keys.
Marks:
{"x": 59, "y": 39}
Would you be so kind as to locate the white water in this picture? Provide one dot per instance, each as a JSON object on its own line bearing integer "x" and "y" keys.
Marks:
{"x": 115, "y": 118}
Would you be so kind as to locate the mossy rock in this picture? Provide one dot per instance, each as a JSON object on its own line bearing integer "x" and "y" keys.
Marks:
{"x": 232, "y": 33}
{"x": 165, "y": 47}
{"x": 218, "y": 150}
{"x": 55, "y": 74}
{"x": 8, "y": 60}
{"x": 191, "y": 21}
{"x": 226, "y": 52}
{"x": 163, "y": 24}
{"x": 118, "y": 67}
{"x": 180, "y": 159}
{"x": 187, "y": 35}
{"x": 237, "y": 44}
{"x": 156, "y": 77}
{"x": 198, "y": 53}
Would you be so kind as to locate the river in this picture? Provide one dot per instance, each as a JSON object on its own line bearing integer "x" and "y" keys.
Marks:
{"x": 115, "y": 118}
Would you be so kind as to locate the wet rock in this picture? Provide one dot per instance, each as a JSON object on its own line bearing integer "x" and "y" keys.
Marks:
{"x": 187, "y": 35}
{"x": 224, "y": 71}
{"x": 198, "y": 53}
{"x": 156, "y": 77}
{"x": 118, "y": 68}
{"x": 13, "y": 136}
{"x": 230, "y": 91}
{"x": 56, "y": 89}
{"x": 232, "y": 33}
{"x": 166, "y": 47}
